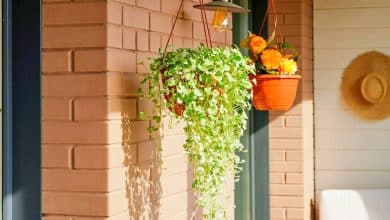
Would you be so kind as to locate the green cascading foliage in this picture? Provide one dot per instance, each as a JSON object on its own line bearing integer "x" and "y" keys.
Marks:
{"x": 213, "y": 85}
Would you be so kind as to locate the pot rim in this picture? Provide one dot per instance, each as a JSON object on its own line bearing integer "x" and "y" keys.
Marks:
{"x": 272, "y": 76}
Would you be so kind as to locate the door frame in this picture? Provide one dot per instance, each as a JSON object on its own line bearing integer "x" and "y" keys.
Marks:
{"x": 21, "y": 109}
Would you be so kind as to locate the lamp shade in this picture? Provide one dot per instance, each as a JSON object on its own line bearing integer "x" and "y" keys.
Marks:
{"x": 216, "y": 5}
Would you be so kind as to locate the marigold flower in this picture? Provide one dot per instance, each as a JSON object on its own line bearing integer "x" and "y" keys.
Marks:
{"x": 288, "y": 66}
{"x": 270, "y": 59}
{"x": 257, "y": 44}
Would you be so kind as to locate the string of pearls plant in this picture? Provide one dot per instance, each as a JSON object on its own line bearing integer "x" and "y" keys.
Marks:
{"x": 209, "y": 89}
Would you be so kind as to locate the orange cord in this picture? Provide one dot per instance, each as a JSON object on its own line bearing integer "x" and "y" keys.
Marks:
{"x": 271, "y": 9}
{"x": 204, "y": 23}
{"x": 173, "y": 26}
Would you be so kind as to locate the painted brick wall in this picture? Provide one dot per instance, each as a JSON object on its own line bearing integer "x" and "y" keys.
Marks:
{"x": 98, "y": 160}
{"x": 291, "y": 132}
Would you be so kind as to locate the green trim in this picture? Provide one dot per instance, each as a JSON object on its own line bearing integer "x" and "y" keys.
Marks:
{"x": 22, "y": 109}
{"x": 260, "y": 166}
{"x": 260, "y": 137}
{"x": 242, "y": 194}
{"x": 252, "y": 191}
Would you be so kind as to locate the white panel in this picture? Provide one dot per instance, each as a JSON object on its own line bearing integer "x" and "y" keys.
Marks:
{"x": 327, "y": 79}
{"x": 328, "y": 4}
{"x": 353, "y": 139}
{"x": 353, "y": 38}
{"x": 352, "y": 179}
{"x": 328, "y": 99}
{"x": 350, "y": 152}
{"x": 347, "y": 18}
{"x": 347, "y": 120}
{"x": 339, "y": 58}
{"x": 352, "y": 160}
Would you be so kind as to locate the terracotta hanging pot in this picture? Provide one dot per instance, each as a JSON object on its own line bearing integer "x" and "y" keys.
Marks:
{"x": 177, "y": 108}
{"x": 274, "y": 92}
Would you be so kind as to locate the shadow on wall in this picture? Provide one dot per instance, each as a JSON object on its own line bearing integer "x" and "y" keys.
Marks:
{"x": 143, "y": 186}
{"x": 193, "y": 212}
{"x": 157, "y": 187}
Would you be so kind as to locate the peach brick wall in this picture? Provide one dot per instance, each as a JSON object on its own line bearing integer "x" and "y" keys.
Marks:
{"x": 291, "y": 133}
{"x": 98, "y": 160}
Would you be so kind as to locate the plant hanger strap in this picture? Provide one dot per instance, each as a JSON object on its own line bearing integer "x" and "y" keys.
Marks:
{"x": 271, "y": 9}
{"x": 173, "y": 25}
{"x": 204, "y": 24}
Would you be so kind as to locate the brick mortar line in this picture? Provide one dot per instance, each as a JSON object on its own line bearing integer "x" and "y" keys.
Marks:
{"x": 103, "y": 121}
{"x": 47, "y": 49}
{"x": 122, "y": 3}
{"x": 73, "y": 25}
{"x": 102, "y": 193}
{"x": 73, "y": 217}
{"x": 89, "y": 73}
{"x": 72, "y": 61}
{"x": 86, "y": 169}
{"x": 149, "y": 31}
{"x": 53, "y": 74}
{"x": 69, "y": 2}
{"x": 92, "y": 97}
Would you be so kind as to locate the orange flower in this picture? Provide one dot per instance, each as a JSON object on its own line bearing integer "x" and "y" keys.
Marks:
{"x": 257, "y": 44}
{"x": 270, "y": 59}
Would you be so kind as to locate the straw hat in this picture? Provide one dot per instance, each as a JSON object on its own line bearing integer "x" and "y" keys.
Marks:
{"x": 365, "y": 86}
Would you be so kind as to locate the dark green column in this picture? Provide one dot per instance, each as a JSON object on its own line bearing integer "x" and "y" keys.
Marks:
{"x": 252, "y": 191}
{"x": 22, "y": 110}
{"x": 242, "y": 188}
{"x": 259, "y": 136}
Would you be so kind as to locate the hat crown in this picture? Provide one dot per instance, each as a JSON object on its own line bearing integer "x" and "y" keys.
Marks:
{"x": 373, "y": 87}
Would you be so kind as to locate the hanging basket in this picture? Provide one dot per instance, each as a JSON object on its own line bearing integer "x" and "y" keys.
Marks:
{"x": 274, "y": 92}
{"x": 178, "y": 109}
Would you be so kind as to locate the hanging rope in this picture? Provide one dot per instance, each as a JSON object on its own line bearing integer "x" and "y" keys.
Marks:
{"x": 271, "y": 10}
{"x": 264, "y": 19}
{"x": 204, "y": 24}
{"x": 277, "y": 28}
{"x": 173, "y": 26}
{"x": 203, "y": 15}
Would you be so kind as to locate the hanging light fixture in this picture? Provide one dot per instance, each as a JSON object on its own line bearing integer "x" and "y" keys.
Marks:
{"x": 222, "y": 8}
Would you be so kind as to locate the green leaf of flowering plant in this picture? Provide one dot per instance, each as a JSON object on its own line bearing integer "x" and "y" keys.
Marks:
{"x": 271, "y": 38}
{"x": 286, "y": 45}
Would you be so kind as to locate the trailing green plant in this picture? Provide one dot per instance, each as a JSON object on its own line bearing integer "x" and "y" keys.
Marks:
{"x": 209, "y": 89}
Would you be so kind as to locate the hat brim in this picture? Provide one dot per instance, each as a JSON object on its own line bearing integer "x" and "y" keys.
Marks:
{"x": 370, "y": 62}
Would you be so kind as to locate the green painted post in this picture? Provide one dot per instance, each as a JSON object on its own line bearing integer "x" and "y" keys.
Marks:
{"x": 252, "y": 191}
{"x": 259, "y": 136}
{"x": 242, "y": 188}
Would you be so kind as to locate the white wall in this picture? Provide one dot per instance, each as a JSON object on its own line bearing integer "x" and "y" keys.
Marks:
{"x": 350, "y": 152}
